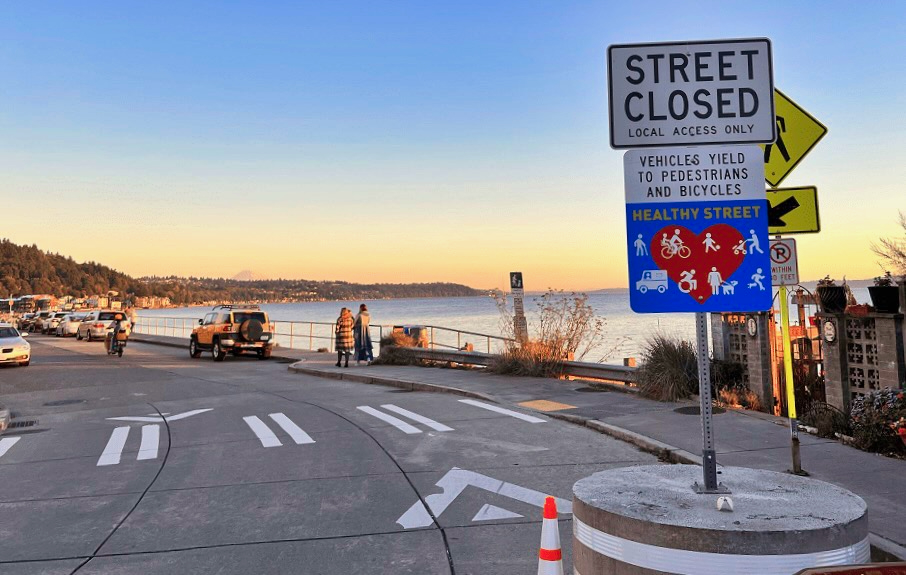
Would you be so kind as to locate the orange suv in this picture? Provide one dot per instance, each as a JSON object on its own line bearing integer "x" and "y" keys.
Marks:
{"x": 233, "y": 329}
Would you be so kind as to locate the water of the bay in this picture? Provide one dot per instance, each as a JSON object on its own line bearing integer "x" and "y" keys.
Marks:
{"x": 625, "y": 333}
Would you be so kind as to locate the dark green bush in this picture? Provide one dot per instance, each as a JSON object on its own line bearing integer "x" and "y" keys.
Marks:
{"x": 873, "y": 416}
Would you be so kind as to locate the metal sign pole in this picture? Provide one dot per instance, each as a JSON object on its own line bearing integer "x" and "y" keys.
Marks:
{"x": 790, "y": 383}
{"x": 709, "y": 457}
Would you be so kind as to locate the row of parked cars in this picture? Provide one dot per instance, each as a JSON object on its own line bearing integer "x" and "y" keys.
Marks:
{"x": 88, "y": 325}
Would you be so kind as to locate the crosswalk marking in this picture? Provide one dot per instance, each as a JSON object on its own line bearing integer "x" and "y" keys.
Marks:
{"x": 264, "y": 433}
{"x": 395, "y": 422}
{"x": 516, "y": 414}
{"x": 293, "y": 430}
{"x": 150, "y": 442}
{"x": 114, "y": 448}
{"x": 416, "y": 417}
{"x": 6, "y": 443}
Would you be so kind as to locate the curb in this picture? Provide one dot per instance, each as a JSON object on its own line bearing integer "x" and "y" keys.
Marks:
{"x": 398, "y": 383}
{"x": 4, "y": 417}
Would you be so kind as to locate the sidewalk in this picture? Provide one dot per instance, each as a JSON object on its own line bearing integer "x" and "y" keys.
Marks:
{"x": 746, "y": 439}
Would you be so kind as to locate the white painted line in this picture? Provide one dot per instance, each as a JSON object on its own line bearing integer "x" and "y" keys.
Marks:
{"x": 516, "y": 414}
{"x": 397, "y": 423}
{"x": 150, "y": 442}
{"x": 416, "y": 417}
{"x": 294, "y": 431}
{"x": 264, "y": 433}
{"x": 115, "y": 445}
{"x": 6, "y": 443}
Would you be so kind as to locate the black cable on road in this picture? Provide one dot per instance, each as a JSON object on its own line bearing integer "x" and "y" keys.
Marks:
{"x": 140, "y": 497}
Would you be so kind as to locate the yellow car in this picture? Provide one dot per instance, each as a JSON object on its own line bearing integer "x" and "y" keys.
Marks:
{"x": 235, "y": 329}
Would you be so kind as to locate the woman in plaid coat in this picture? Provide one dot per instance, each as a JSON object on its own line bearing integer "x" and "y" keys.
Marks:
{"x": 345, "y": 340}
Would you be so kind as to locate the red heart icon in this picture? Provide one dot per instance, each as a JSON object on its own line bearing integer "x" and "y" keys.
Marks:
{"x": 700, "y": 264}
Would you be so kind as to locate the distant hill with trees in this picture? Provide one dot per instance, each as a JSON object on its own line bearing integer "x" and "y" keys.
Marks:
{"x": 29, "y": 270}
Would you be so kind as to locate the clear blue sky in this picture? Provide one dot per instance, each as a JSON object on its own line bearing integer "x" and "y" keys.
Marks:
{"x": 400, "y": 141}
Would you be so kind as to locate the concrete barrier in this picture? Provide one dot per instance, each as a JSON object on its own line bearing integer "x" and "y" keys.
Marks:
{"x": 647, "y": 520}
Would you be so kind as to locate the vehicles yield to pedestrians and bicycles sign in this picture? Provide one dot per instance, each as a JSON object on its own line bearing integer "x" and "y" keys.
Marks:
{"x": 697, "y": 222}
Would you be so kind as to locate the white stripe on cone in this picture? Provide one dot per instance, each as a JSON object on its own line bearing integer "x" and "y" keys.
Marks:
{"x": 550, "y": 557}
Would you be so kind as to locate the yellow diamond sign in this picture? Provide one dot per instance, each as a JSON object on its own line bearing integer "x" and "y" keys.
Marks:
{"x": 793, "y": 211}
{"x": 797, "y": 133}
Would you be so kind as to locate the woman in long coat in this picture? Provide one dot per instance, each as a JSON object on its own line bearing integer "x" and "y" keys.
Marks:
{"x": 345, "y": 342}
{"x": 363, "y": 346}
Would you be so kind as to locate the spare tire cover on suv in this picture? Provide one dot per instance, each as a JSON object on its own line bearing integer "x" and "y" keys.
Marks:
{"x": 251, "y": 330}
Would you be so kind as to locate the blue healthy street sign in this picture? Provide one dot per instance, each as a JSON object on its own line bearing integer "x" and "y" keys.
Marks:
{"x": 697, "y": 226}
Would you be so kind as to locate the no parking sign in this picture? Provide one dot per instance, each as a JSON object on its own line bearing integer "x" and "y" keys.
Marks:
{"x": 697, "y": 222}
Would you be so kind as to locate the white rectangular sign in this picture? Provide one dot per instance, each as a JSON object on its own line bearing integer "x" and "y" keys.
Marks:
{"x": 684, "y": 175}
{"x": 784, "y": 262}
{"x": 691, "y": 93}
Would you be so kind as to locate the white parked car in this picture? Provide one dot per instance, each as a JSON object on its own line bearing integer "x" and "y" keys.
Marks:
{"x": 13, "y": 347}
{"x": 96, "y": 324}
{"x": 49, "y": 326}
{"x": 69, "y": 325}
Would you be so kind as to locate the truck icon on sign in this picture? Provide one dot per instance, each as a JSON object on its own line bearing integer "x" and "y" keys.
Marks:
{"x": 652, "y": 279}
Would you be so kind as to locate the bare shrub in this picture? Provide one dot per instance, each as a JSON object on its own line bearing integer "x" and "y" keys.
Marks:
{"x": 893, "y": 251}
{"x": 670, "y": 369}
{"x": 565, "y": 328}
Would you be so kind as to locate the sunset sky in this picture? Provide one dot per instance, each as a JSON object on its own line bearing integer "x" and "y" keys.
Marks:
{"x": 401, "y": 141}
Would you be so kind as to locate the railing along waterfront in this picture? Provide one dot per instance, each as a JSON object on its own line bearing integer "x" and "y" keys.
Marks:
{"x": 315, "y": 335}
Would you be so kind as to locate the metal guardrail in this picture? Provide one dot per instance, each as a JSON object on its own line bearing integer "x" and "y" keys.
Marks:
{"x": 314, "y": 335}
{"x": 616, "y": 373}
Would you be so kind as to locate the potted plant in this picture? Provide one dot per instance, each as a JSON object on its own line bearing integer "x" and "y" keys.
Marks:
{"x": 831, "y": 297}
{"x": 885, "y": 295}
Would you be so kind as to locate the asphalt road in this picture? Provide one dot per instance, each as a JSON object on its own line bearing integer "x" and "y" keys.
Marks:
{"x": 157, "y": 463}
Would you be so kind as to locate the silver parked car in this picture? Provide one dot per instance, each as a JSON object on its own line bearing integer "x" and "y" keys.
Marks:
{"x": 96, "y": 324}
{"x": 70, "y": 325}
{"x": 13, "y": 347}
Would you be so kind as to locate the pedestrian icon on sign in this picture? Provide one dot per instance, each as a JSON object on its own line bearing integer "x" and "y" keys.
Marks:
{"x": 640, "y": 248}
{"x": 714, "y": 280}
{"x": 710, "y": 244}
{"x": 781, "y": 128}
{"x": 755, "y": 246}
{"x": 757, "y": 277}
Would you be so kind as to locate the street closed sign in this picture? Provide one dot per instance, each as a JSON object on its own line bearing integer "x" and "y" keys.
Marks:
{"x": 691, "y": 93}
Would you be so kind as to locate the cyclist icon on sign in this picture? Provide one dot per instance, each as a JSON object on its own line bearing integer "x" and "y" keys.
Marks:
{"x": 674, "y": 246}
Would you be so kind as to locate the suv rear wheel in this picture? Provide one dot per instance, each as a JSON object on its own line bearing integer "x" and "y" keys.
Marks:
{"x": 194, "y": 352}
{"x": 264, "y": 353}
{"x": 217, "y": 353}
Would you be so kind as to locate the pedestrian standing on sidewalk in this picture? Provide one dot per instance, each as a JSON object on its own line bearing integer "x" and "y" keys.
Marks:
{"x": 363, "y": 348}
{"x": 345, "y": 341}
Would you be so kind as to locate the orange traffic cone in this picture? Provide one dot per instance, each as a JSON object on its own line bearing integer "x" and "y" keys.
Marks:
{"x": 550, "y": 557}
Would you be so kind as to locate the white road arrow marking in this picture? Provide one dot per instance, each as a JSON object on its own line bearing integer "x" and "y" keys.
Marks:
{"x": 455, "y": 482}
{"x": 511, "y": 413}
{"x": 6, "y": 443}
{"x": 416, "y": 417}
{"x": 491, "y": 513}
{"x": 158, "y": 418}
{"x": 115, "y": 445}
{"x": 394, "y": 421}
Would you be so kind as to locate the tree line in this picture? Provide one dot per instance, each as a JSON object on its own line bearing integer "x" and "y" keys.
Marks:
{"x": 29, "y": 270}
